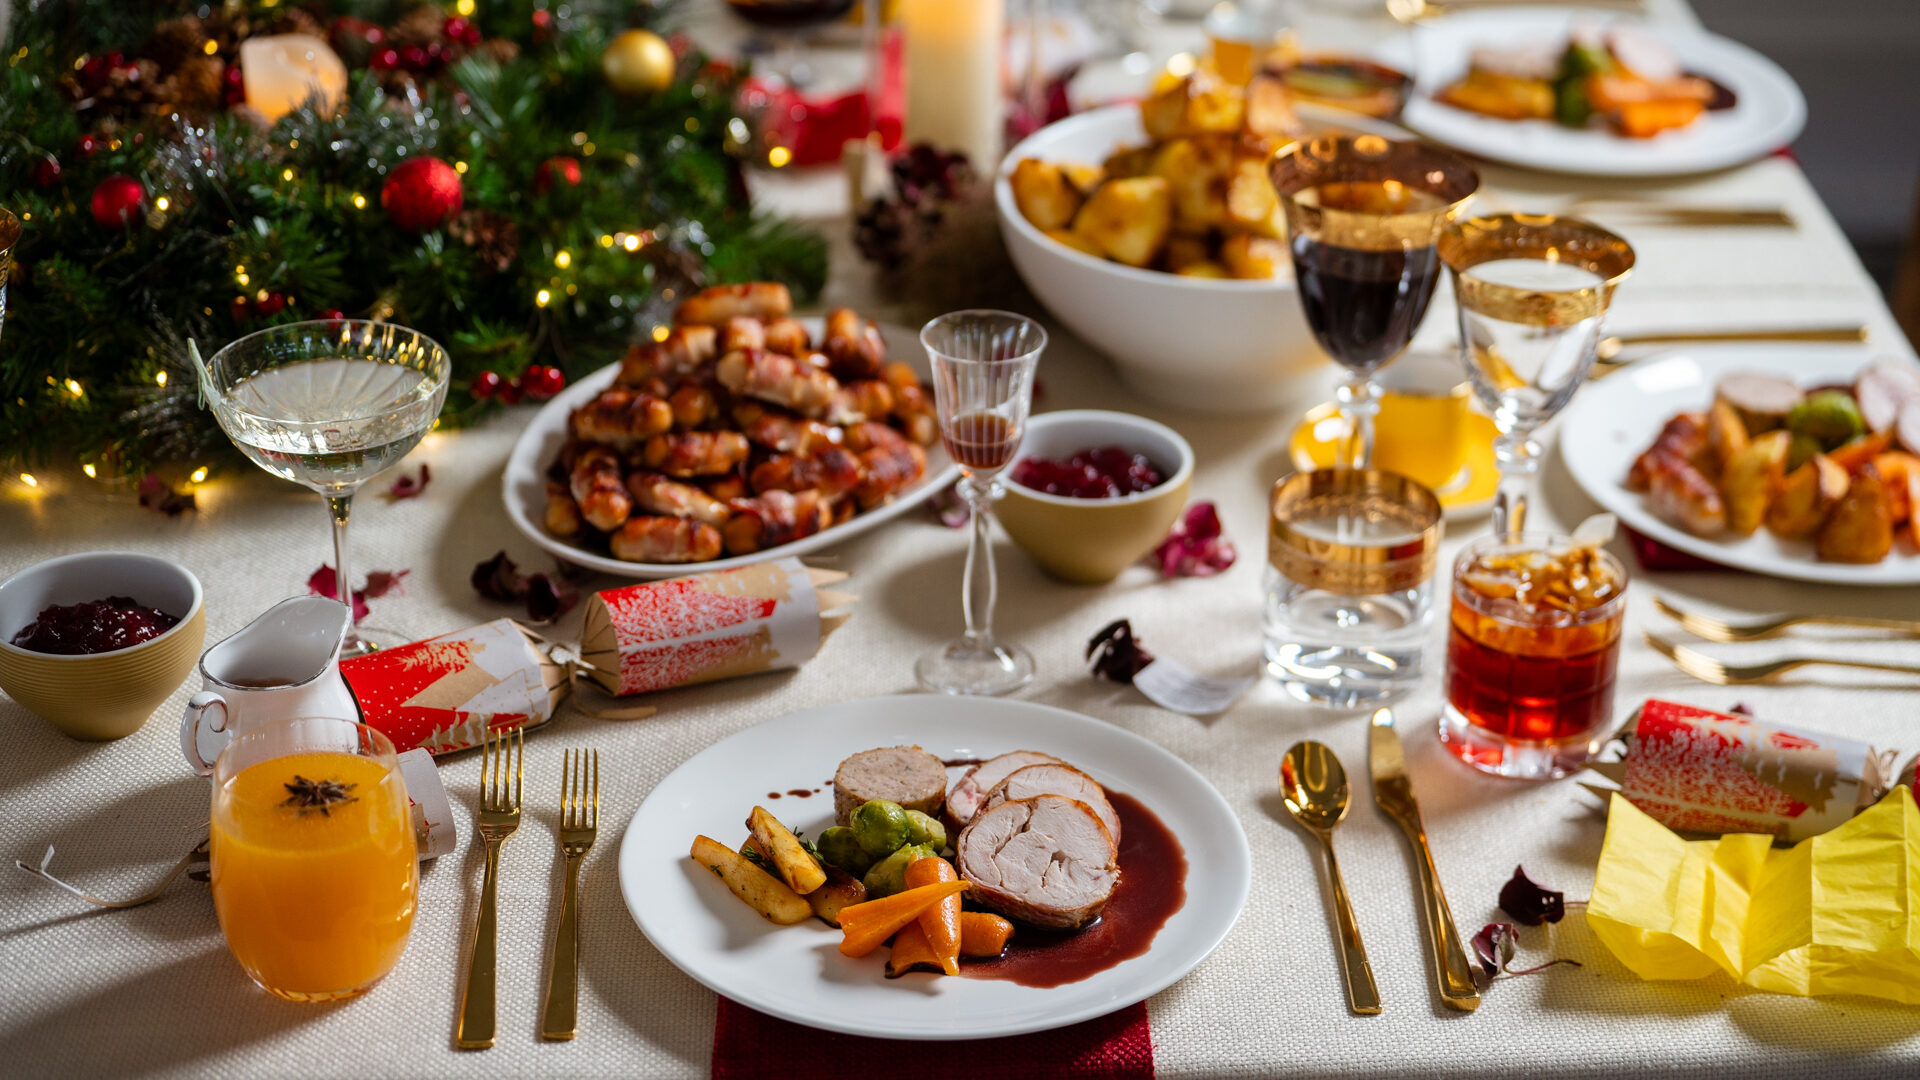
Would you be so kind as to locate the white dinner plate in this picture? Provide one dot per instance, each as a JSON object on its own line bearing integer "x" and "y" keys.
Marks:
{"x": 1616, "y": 418}
{"x": 797, "y": 972}
{"x": 1769, "y": 111}
{"x": 523, "y": 487}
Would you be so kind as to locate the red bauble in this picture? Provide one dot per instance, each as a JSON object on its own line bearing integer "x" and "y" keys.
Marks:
{"x": 46, "y": 171}
{"x": 485, "y": 385}
{"x": 242, "y": 309}
{"x": 385, "y": 59}
{"x": 119, "y": 202}
{"x": 542, "y": 382}
{"x": 509, "y": 394}
{"x": 461, "y": 30}
{"x": 542, "y": 24}
{"x": 273, "y": 304}
{"x": 555, "y": 168}
{"x": 332, "y": 313}
{"x": 421, "y": 194}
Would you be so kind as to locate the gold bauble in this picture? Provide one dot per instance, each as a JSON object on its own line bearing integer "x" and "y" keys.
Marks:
{"x": 638, "y": 62}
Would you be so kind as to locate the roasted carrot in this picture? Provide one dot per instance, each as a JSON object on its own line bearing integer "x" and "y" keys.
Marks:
{"x": 865, "y": 926}
{"x": 1898, "y": 469}
{"x": 911, "y": 952}
{"x": 1645, "y": 119}
{"x": 1860, "y": 451}
{"x": 983, "y": 935}
{"x": 941, "y": 922}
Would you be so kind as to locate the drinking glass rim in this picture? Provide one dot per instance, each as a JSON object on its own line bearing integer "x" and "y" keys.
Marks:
{"x": 382, "y": 747}
{"x": 934, "y": 351}
{"x": 1466, "y": 176}
{"x": 223, "y": 400}
{"x": 1615, "y": 260}
{"x": 1539, "y": 615}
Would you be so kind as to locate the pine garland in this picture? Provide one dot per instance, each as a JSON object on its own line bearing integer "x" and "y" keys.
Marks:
{"x": 267, "y": 226}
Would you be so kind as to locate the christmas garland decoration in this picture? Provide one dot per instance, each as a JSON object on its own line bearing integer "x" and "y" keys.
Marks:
{"x": 530, "y": 183}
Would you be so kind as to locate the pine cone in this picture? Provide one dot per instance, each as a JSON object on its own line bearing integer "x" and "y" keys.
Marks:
{"x": 494, "y": 238}
{"x": 296, "y": 21}
{"x": 175, "y": 40}
{"x": 420, "y": 26}
{"x": 194, "y": 85}
{"x": 502, "y": 51}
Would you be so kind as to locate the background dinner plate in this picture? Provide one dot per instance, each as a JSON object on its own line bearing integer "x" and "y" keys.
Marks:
{"x": 797, "y": 972}
{"x": 523, "y": 487}
{"x": 1612, "y": 421}
{"x": 1768, "y": 115}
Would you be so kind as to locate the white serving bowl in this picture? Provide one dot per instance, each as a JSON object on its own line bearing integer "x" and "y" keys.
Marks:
{"x": 1196, "y": 343}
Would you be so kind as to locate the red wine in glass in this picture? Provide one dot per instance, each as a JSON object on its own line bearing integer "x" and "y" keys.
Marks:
{"x": 981, "y": 440}
{"x": 1364, "y": 306}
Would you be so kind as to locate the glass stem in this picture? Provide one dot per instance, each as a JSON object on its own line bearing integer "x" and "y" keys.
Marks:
{"x": 340, "y": 508}
{"x": 1519, "y": 459}
{"x": 1359, "y": 406}
{"x": 978, "y": 586}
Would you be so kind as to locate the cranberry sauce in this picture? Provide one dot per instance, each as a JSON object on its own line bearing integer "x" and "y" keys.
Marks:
{"x": 1104, "y": 472}
{"x": 96, "y": 626}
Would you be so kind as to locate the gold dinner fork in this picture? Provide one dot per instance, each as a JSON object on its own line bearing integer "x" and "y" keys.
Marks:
{"x": 1712, "y": 629}
{"x": 502, "y": 759}
{"x": 1707, "y": 669}
{"x": 579, "y": 821}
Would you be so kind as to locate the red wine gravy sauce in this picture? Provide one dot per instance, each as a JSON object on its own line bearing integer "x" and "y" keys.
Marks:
{"x": 1153, "y": 885}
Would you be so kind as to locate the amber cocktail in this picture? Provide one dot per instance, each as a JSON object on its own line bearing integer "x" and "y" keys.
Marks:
{"x": 1532, "y": 654}
{"x": 314, "y": 867}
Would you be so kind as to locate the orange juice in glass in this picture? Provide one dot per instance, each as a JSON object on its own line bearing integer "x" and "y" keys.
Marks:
{"x": 314, "y": 865}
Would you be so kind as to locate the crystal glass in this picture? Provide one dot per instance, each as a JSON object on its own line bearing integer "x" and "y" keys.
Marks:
{"x": 1532, "y": 654}
{"x": 787, "y": 21}
{"x": 983, "y": 365}
{"x": 1363, "y": 214}
{"x": 315, "y": 871}
{"x": 1531, "y": 290}
{"x": 329, "y": 405}
{"x": 1349, "y": 584}
{"x": 9, "y": 239}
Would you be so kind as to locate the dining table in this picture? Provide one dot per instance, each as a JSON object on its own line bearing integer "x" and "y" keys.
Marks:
{"x": 153, "y": 991}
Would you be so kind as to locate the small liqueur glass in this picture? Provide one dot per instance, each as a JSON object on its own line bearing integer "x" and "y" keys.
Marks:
{"x": 983, "y": 364}
{"x": 1363, "y": 216}
{"x": 329, "y": 405}
{"x": 1349, "y": 584}
{"x": 1532, "y": 290}
{"x": 1533, "y": 651}
{"x": 313, "y": 859}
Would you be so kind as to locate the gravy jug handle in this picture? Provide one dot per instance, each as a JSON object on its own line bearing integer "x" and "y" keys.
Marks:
{"x": 202, "y": 703}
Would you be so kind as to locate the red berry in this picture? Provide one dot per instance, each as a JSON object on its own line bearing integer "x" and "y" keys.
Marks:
{"x": 555, "y": 168}
{"x": 332, "y": 314}
{"x": 242, "y": 307}
{"x": 542, "y": 24}
{"x": 418, "y": 58}
{"x": 232, "y": 76}
{"x": 542, "y": 382}
{"x": 486, "y": 384}
{"x": 509, "y": 394}
{"x": 46, "y": 171}
{"x": 460, "y": 30}
{"x": 89, "y": 145}
{"x": 274, "y": 304}
{"x": 385, "y": 59}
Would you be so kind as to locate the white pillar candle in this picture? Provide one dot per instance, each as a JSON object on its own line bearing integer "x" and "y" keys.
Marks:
{"x": 284, "y": 70}
{"x": 952, "y": 73}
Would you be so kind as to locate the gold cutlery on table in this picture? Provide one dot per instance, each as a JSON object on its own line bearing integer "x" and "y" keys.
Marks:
{"x": 1407, "y": 11}
{"x": 1712, "y": 629}
{"x": 1314, "y": 786}
{"x": 1655, "y": 213}
{"x": 1393, "y": 793}
{"x": 1610, "y": 347}
{"x": 502, "y": 763}
{"x": 1707, "y": 669}
{"x": 579, "y": 821}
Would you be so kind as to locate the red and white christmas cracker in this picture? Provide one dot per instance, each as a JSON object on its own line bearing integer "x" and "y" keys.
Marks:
{"x": 1697, "y": 770}
{"x": 443, "y": 693}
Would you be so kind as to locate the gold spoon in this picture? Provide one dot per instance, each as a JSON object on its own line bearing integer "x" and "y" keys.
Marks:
{"x": 1610, "y": 347}
{"x": 1315, "y": 789}
{"x": 1407, "y": 11}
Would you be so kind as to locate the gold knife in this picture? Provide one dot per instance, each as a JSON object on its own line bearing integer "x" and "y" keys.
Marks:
{"x": 1393, "y": 791}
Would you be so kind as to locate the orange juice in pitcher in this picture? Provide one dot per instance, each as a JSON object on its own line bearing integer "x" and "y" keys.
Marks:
{"x": 313, "y": 854}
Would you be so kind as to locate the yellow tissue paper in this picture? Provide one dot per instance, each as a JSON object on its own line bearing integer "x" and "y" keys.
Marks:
{"x": 1839, "y": 913}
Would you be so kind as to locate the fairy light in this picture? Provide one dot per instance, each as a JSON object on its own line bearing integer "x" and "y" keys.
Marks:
{"x": 242, "y": 279}
{"x": 779, "y": 156}
{"x": 27, "y": 479}
{"x": 632, "y": 242}
{"x": 199, "y": 475}
{"x": 161, "y": 203}
{"x": 606, "y": 240}
{"x": 660, "y": 333}
{"x": 579, "y": 138}
{"x": 286, "y": 174}
{"x": 464, "y": 7}
{"x": 1181, "y": 65}
{"x": 89, "y": 470}
{"x": 460, "y": 167}
{"x": 359, "y": 201}
{"x": 693, "y": 124}
{"x": 587, "y": 150}
{"x": 73, "y": 387}
{"x": 260, "y": 297}
{"x": 211, "y": 47}
{"x": 541, "y": 298}
{"x": 572, "y": 289}
{"x": 160, "y": 379}
{"x": 563, "y": 259}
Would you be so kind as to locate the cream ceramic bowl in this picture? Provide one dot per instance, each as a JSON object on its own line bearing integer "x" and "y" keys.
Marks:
{"x": 100, "y": 695}
{"x": 1196, "y": 343}
{"x": 1089, "y": 541}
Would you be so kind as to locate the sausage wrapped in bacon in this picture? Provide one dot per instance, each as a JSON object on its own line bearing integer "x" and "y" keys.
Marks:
{"x": 665, "y": 540}
{"x": 655, "y": 494}
{"x": 912, "y": 405}
{"x": 782, "y": 380}
{"x": 868, "y": 399}
{"x": 692, "y": 404}
{"x": 775, "y": 518}
{"x": 782, "y": 433}
{"x": 621, "y": 417}
{"x": 596, "y": 487}
{"x": 726, "y": 488}
{"x": 853, "y": 346}
{"x": 763, "y": 300}
{"x": 888, "y": 462}
{"x": 685, "y": 351}
{"x": 695, "y": 453}
{"x": 788, "y": 336}
{"x": 833, "y": 472}
{"x": 740, "y": 333}
{"x": 563, "y": 514}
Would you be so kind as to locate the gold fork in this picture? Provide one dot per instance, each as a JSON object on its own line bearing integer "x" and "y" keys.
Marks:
{"x": 579, "y": 821}
{"x": 501, "y": 760}
{"x": 1712, "y": 629}
{"x": 1707, "y": 669}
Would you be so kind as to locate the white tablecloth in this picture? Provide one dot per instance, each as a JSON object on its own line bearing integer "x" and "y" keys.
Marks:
{"x": 153, "y": 991}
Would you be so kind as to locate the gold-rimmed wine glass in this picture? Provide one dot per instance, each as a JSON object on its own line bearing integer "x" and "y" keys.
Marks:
{"x": 1532, "y": 291}
{"x": 1363, "y": 216}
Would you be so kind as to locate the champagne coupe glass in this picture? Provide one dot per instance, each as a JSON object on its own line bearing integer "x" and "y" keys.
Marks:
{"x": 1363, "y": 214}
{"x": 788, "y": 20}
{"x": 983, "y": 365}
{"x": 1532, "y": 290}
{"x": 329, "y": 405}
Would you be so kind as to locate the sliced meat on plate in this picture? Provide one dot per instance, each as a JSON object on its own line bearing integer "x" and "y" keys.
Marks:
{"x": 967, "y": 795}
{"x": 1052, "y": 778}
{"x": 1047, "y": 861}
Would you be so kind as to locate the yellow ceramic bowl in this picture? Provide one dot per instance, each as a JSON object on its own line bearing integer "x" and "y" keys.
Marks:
{"x": 101, "y": 695}
{"x": 1089, "y": 541}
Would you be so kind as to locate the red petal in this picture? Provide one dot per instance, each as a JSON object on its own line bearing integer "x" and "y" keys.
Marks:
{"x": 382, "y": 582}
{"x": 406, "y": 487}
{"x": 548, "y": 599}
{"x": 1197, "y": 545}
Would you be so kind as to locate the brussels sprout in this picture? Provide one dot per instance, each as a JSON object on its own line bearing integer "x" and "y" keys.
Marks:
{"x": 1571, "y": 105}
{"x": 1586, "y": 58}
{"x": 1831, "y": 416}
{"x": 880, "y": 826}
{"x": 889, "y": 875}
{"x": 841, "y": 848}
{"x": 1801, "y": 450}
{"x": 925, "y": 830}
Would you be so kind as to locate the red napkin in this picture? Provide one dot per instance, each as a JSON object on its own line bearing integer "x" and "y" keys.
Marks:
{"x": 1654, "y": 555}
{"x": 749, "y": 1045}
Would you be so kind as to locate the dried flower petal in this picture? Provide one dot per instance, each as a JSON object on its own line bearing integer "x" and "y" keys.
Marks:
{"x": 157, "y": 495}
{"x": 1197, "y": 547}
{"x": 949, "y": 508}
{"x": 1742, "y": 709}
{"x": 1116, "y": 654}
{"x": 498, "y": 579}
{"x": 548, "y": 599}
{"x": 1530, "y": 903}
{"x": 407, "y": 486}
{"x": 1493, "y": 950}
{"x": 325, "y": 583}
{"x": 382, "y": 582}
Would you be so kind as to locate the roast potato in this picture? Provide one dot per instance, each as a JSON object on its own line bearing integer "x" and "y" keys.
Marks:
{"x": 760, "y": 890}
{"x": 1196, "y": 171}
{"x": 1806, "y": 496}
{"x": 1205, "y": 269}
{"x": 841, "y": 890}
{"x": 782, "y": 849}
{"x": 1752, "y": 476}
{"x": 1253, "y": 256}
{"x": 1860, "y": 528}
{"x": 1077, "y": 242}
{"x": 1043, "y": 193}
{"x": 1128, "y": 219}
{"x": 1726, "y": 433}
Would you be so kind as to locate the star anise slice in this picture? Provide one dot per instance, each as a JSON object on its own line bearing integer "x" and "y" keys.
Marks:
{"x": 306, "y": 795}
